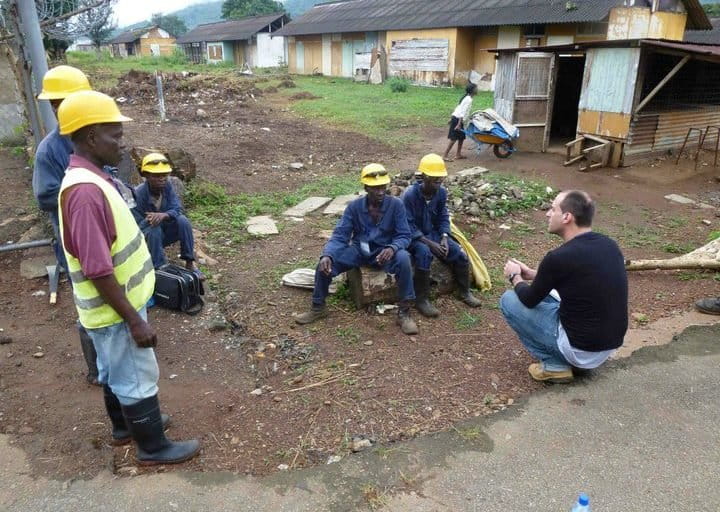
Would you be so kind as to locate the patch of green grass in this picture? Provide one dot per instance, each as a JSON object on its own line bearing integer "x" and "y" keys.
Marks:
{"x": 375, "y": 110}
{"x": 632, "y": 235}
{"x": 677, "y": 248}
{"x": 677, "y": 222}
{"x": 341, "y": 296}
{"x": 466, "y": 321}
{"x": 374, "y": 498}
{"x": 692, "y": 275}
{"x": 348, "y": 334}
{"x": 509, "y": 245}
{"x": 713, "y": 235}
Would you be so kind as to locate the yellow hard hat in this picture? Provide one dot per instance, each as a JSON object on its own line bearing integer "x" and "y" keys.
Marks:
{"x": 155, "y": 163}
{"x": 374, "y": 175}
{"x": 62, "y": 81}
{"x": 84, "y": 108}
{"x": 433, "y": 165}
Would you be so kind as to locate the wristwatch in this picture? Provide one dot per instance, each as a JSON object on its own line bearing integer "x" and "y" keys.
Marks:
{"x": 512, "y": 276}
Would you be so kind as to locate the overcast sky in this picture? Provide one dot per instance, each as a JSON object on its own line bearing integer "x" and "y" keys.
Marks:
{"x": 132, "y": 11}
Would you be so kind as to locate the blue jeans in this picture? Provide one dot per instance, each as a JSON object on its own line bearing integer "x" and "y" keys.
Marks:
{"x": 131, "y": 372}
{"x": 57, "y": 245}
{"x": 169, "y": 232}
{"x": 422, "y": 256}
{"x": 537, "y": 328}
{"x": 349, "y": 257}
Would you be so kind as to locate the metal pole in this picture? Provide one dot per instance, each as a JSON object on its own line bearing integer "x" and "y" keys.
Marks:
{"x": 161, "y": 97}
{"x": 33, "y": 37}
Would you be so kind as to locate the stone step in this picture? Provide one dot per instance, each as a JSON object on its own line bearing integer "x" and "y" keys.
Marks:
{"x": 309, "y": 205}
{"x": 337, "y": 205}
{"x": 262, "y": 225}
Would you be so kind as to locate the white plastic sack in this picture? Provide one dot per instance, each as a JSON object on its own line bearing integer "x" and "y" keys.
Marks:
{"x": 305, "y": 278}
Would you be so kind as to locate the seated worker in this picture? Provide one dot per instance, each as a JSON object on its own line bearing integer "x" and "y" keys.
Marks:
{"x": 429, "y": 220}
{"x": 163, "y": 220}
{"x": 372, "y": 231}
{"x": 584, "y": 325}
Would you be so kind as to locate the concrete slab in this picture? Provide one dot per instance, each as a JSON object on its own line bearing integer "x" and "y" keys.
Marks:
{"x": 308, "y": 206}
{"x": 262, "y": 225}
{"x": 337, "y": 205}
{"x": 677, "y": 198}
{"x": 473, "y": 171}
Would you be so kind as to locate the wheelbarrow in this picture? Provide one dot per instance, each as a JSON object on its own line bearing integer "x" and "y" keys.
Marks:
{"x": 487, "y": 127}
{"x": 502, "y": 147}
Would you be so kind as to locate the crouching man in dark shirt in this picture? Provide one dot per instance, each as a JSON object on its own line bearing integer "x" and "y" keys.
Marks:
{"x": 574, "y": 313}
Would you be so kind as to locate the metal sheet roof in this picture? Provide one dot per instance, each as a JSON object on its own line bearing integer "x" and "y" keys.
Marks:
{"x": 373, "y": 15}
{"x": 131, "y": 35}
{"x": 705, "y": 36}
{"x": 701, "y": 49}
{"x": 233, "y": 30}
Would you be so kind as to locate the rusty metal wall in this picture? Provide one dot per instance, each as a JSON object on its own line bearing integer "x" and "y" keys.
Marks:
{"x": 660, "y": 132}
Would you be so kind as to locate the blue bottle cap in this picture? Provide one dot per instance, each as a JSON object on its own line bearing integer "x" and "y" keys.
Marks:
{"x": 584, "y": 500}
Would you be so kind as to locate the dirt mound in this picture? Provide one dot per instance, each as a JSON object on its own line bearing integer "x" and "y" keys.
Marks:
{"x": 270, "y": 90}
{"x": 304, "y": 96}
{"x": 287, "y": 84}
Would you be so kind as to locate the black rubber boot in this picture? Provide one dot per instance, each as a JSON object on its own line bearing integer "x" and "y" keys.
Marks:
{"x": 143, "y": 420}
{"x": 120, "y": 433}
{"x": 462, "y": 279}
{"x": 708, "y": 306}
{"x": 421, "y": 281}
{"x": 90, "y": 355}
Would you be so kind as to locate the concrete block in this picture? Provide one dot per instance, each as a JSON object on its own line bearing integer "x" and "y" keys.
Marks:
{"x": 473, "y": 171}
{"x": 676, "y": 198}
{"x": 262, "y": 225}
{"x": 309, "y": 205}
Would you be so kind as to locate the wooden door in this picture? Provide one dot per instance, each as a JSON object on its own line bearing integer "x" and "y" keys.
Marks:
{"x": 532, "y": 109}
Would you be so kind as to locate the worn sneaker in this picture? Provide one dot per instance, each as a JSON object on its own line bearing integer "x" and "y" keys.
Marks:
{"x": 708, "y": 306}
{"x": 311, "y": 316}
{"x": 538, "y": 372}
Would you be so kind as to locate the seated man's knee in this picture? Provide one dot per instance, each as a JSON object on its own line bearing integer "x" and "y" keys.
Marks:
{"x": 153, "y": 233}
{"x": 509, "y": 302}
{"x": 402, "y": 257}
{"x": 423, "y": 257}
{"x": 182, "y": 221}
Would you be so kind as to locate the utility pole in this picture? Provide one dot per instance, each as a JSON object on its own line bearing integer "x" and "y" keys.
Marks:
{"x": 30, "y": 25}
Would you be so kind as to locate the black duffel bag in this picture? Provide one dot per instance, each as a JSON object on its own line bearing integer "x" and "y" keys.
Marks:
{"x": 178, "y": 288}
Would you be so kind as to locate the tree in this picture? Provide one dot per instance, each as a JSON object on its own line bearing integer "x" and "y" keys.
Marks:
{"x": 169, "y": 23}
{"x": 96, "y": 24}
{"x": 235, "y": 9}
{"x": 712, "y": 10}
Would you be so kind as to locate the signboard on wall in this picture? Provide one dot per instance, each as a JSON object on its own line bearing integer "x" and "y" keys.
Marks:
{"x": 419, "y": 55}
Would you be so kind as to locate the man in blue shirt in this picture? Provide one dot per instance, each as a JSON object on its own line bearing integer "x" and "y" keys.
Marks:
{"x": 426, "y": 206}
{"x": 51, "y": 161}
{"x": 161, "y": 216}
{"x": 372, "y": 231}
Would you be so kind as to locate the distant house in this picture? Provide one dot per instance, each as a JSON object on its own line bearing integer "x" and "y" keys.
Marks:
{"x": 148, "y": 42}
{"x": 248, "y": 41}
{"x": 83, "y": 44}
{"x": 435, "y": 42}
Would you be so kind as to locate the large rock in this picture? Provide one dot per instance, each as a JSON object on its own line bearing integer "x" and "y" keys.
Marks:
{"x": 307, "y": 206}
{"x": 262, "y": 225}
{"x": 369, "y": 285}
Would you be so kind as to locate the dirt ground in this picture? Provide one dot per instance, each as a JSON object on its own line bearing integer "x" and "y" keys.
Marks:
{"x": 351, "y": 375}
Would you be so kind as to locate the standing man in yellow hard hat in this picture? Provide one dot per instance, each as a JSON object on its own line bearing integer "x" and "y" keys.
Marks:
{"x": 164, "y": 221}
{"x": 112, "y": 277}
{"x": 51, "y": 160}
{"x": 429, "y": 220}
{"x": 372, "y": 231}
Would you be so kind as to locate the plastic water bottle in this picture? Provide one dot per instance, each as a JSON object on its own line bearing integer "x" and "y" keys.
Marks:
{"x": 582, "y": 504}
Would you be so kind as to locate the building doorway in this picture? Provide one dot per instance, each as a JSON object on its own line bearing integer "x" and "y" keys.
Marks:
{"x": 568, "y": 85}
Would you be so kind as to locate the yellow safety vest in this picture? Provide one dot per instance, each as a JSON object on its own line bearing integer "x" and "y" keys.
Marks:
{"x": 134, "y": 269}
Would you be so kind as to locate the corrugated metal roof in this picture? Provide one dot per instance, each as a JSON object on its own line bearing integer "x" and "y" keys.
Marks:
{"x": 705, "y": 36}
{"x": 702, "y": 49}
{"x": 233, "y": 30}
{"x": 372, "y": 15}
{"x": 131, "y": 35}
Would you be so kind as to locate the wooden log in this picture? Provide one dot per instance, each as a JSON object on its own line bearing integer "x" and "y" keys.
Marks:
{"x": 705, "y": 257}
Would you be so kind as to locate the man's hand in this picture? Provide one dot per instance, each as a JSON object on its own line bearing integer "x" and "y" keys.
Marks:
{"x": 156, "y": 218}
{"x": 143, "y": 334}
{"x": 436, "y": 248}
{"x": 512, "y": 267}
{"x": 445, "y": 245}
{"x": 385, "y": 256}
{"x": 526, "y": 272}
{"x": 325, "y": 265}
